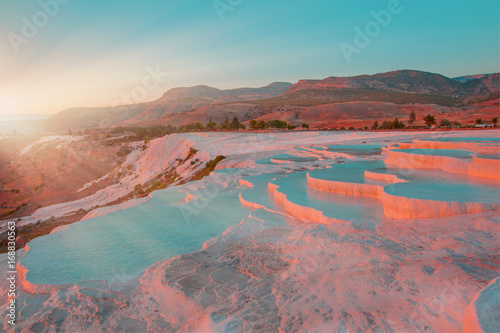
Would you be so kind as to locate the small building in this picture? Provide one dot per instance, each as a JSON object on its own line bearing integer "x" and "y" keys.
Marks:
{"x": 485, "y": 124}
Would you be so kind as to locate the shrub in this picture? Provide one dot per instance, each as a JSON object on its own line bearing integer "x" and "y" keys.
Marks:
{"x": 430, "y": 120}
{"x": 253, "y": 124}
{"x": 213, "y": 163}
{"x": 192, "y": 151}
{"x": 445, "y": 123}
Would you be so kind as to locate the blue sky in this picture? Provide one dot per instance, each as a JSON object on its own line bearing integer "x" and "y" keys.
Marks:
{"x": 92, "y": 52}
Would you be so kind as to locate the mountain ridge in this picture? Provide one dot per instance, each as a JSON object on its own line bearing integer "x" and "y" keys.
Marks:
{"x": 409, "y": 81}
{"x": 399, "y": 87}
{"x": 211, "y": 92}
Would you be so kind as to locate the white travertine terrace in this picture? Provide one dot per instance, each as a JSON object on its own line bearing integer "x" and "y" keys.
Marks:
{"x": 394, "y": 239}
{"x": 483, "y": 313}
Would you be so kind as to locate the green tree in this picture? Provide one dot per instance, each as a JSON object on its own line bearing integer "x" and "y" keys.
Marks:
{"x": 211, "y": 125}
{"x": 375, "y": 125}
{"x": 385, "y": 125}
{"x": 187, "y": 128}
{"x": 444, "y": 123}
{"x": 198, "y": 126}
{"x": 396, "y": 124}
{"x": 413, "y": 118}
{"x": 494, "y": 121}
{"x": 430, "y": 120}
{"x": 262, "y": 124}
{"x": 224, "y": 125}
{"x": 235, "y": 124}
{"x": 479, "y": 121}
{"x": 253, "y": 124}
{"x": 276, "y": 123}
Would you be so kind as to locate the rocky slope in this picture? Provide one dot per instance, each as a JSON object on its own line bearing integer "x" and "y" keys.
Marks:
{"x": 401, "y": 81}
{"x": 176, "y": 100}
{"x": 467, "y": 78}
{"x": 394, "y": 90}
{"x": 52, "y": 170}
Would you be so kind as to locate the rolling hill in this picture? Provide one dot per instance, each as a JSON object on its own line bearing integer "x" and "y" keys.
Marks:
{"x": 176, "y": 100}
{"x": 395, "y": 92}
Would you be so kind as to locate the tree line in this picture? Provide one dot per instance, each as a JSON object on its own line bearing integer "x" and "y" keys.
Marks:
{"x": 233, "y": 125}
{"x": 429, "y": 120}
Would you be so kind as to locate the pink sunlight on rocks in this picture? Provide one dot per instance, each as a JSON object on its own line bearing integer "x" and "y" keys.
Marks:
{"x": 305, "y": 231}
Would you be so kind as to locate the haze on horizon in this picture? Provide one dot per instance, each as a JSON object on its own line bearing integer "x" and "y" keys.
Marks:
{"x": 91, "y": 53}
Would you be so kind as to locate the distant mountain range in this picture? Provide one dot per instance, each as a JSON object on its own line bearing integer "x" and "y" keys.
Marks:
{"x": 467, "y": 78}
{"x": 201, "y": 103}
{"x": 20, "y": 123}
{"x": 174, "y": 101}
{"x": 274, "y": 89}
{"x": 406, "y": 81}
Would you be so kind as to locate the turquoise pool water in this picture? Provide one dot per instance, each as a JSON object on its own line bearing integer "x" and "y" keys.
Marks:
{"x": 439, "y": 152}
{"x": 333, "y": 205}
{"x": 285, "y": 158}
{"x": 471, "y": 139}
{"x": 259, "y": 194}
{"x": 351, "y": 172}
{"x": 422, "y": 183}
{"x": 125, "y": 243}
{"x": 442, "y": 186}
{"x": 357, "y": 150}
